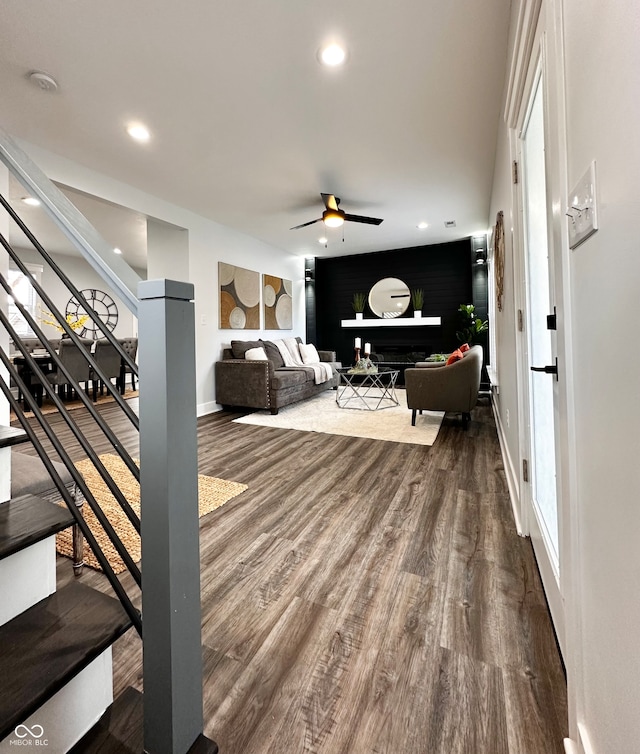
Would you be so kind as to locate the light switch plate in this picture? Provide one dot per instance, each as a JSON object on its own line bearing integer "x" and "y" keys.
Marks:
{"x": 582, "y": 211}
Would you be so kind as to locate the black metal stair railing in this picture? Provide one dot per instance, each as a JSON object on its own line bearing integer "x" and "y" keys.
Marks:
{"x": 75, "y": 292}
{"x": 125, "y": 600}
{"x": 30, "y": 424}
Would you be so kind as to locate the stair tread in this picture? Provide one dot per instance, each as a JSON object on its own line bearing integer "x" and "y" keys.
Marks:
{"x": 12, "y": 436}
{"x": 119, "y": 730}
{"x": 27, "y": 519}
{"x": 50, "y": 643}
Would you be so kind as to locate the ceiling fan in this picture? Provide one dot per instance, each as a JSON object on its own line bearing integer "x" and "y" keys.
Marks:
{"x": 333, "y": 217}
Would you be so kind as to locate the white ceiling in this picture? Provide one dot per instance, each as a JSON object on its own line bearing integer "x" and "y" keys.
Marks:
{"x": 248, "y": 128}
{"x": 122, "y": 228}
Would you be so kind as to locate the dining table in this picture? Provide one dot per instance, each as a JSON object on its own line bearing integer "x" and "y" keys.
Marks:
{"x": 44, "y": 360}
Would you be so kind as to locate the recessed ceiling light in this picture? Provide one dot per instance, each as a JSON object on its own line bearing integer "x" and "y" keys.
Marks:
{"x": 322, "y": 239}
{"x": 333, "y": 55}
{"x": 31, "y": 201}
{"x": 117, "y": 250}
{"x": 422, "y": 226}
{"x": 138, "y": 132}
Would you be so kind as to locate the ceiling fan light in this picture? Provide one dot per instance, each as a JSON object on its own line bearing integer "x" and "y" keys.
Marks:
{"x": 332, "y": 219}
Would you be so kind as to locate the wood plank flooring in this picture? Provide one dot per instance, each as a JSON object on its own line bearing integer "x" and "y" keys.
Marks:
{"x": 366, "y": 597}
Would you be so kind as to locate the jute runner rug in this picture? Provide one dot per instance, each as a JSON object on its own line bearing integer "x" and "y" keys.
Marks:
{"x": 212, "y": 494}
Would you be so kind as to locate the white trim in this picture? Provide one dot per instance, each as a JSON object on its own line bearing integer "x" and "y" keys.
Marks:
{"x": 584, "y": 740}
{"x": 509, "y": 470}
{"x": 210, "y": 407}
{"x": 520, "y": 57}
{"x": 492, "y": 373}
{"x": 582, "y": 745}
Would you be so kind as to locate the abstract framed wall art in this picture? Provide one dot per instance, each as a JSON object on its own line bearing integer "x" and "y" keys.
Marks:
{"x": 278, "y": 303}
{"x": 239, "y": 298}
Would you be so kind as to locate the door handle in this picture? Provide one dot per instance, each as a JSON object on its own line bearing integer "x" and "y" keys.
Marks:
{"x": 549, "y": 369}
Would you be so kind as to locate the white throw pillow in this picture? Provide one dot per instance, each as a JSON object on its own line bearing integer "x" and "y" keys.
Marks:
{"x": 309, "y": 354}
{"x": 256, "y": 354}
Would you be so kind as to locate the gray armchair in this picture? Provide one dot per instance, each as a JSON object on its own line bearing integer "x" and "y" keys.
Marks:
{"x": 437, "y": 387}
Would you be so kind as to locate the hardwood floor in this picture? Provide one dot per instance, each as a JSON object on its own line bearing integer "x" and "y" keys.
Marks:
{"x": 364, "y": 596}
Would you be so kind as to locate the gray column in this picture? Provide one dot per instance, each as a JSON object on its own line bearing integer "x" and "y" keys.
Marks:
{"x": 171, "y": 614}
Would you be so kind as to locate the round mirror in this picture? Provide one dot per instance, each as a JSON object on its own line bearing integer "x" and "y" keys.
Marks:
{"x": 389, "y": 298}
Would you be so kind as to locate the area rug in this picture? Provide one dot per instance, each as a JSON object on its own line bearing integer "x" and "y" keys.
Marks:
{"x": 48, "y": 407}
{"x": 322, "y": 414}
{"x": 212, "y": 494}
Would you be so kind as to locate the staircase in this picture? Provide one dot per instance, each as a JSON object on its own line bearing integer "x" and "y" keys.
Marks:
{"x": 55, "y": 644}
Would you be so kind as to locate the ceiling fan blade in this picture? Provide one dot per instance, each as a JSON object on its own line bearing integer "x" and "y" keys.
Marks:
{"x": 304, "y": 225}
{"x": 363, "y": 219}
{"x": 330, "y": 201}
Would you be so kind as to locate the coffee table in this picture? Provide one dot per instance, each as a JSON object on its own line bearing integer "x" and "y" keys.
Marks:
{"x": 368, "y": 391}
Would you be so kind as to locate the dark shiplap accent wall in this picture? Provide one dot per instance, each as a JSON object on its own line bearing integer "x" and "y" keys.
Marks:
{"x": 443, "y": 271}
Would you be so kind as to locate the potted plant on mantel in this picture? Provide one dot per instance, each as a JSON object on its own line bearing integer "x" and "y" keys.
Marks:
{"x": 417, "y": 300}
{"x": 472, "y": 326}
{"x": 358, "y": 303}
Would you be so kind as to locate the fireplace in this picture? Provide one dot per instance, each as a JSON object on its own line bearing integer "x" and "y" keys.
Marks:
{"x": 399, "y": 355}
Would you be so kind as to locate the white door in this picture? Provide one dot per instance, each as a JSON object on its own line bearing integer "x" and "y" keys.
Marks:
{"x": 541, "y": 364}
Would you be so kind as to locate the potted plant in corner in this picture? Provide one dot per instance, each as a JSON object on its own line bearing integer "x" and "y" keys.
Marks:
{"x": 417, "y": 300}
{"x": 471, "y": 325}
{"x": 359, "y": 300}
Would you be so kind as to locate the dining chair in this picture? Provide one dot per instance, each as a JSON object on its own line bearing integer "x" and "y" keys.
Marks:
{"x": 76, "y": 363}
{"x": 130, "y": 347}
{"x": 109, "y": 360}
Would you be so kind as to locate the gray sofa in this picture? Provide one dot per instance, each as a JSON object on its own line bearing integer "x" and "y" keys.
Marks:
{"x": 266, "y": 384}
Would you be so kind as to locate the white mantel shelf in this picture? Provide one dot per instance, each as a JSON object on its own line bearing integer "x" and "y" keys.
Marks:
{"x": 396, "y": 322}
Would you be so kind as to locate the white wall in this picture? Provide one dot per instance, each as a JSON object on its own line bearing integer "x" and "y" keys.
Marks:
{"x": 602, "y": 61}
{"x": 167, "y": 251}
{"x": 209, "y": 242}
{"x": 82, "y": 275}
{"x": 602, "y": 45}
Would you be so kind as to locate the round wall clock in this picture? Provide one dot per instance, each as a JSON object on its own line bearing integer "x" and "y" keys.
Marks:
{"x": 102, "y": 304}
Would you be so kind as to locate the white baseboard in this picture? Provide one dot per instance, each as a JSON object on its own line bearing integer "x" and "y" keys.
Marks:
{"x": 512, "y": 476}
{"x": 209, "y": 407}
